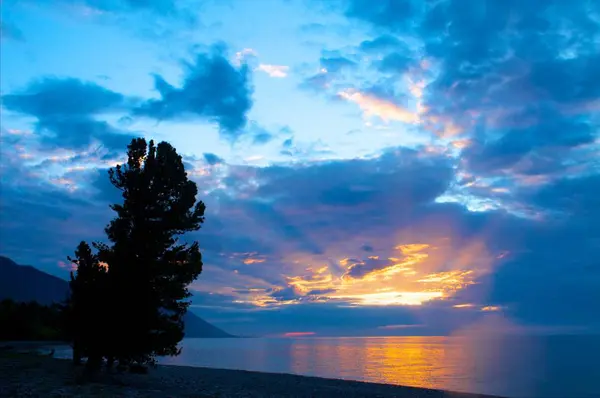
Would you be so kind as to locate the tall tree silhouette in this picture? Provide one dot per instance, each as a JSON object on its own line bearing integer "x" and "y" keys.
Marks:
{"x": 87, "y": 307}
{"x": 149, "y": 269}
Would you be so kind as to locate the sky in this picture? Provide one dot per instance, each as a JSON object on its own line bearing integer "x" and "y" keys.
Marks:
{"x": 382, "y": 167}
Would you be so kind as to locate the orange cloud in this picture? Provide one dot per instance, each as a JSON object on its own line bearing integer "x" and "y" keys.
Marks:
{"x": 491, "y": 308}
{"x": 461, "y": 144}
{"x": 421, "y": 272}
{"x": 408, "y": 273}
{"x": 67, "y": 266}
{"x": 374, "y": 106}
{"x": 464, "y": 305}
{"x": 254, "y": 260}
{"x": 298, "y": 334}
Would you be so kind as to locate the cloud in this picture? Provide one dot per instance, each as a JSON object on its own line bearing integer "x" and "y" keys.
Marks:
{"x": 293, "y": 237}
{"x": 298, "y": 334}
{"x": 358, "y": 269}
{"x": 492, "y": 215}
{"x": 509, "y": 89}
{"x": 179, "y": 14}
{"x": 160, "y": 7}
{"x": 396, "y": 15}
{"x": 212, "y": 159}
{"x": 392, "y": 327}
{"x": 382, "y": 43}
{"x": 212, "y": 89}
{"x": 44, "y": 215}
{"x": 54, "y": 97}
{"x": 69, "y": 111}
{"x": 9, "y": 31}
{"x": 547, "y": 131}
{"x": 245, "y": 56}
{"x": 335, "y": 64}
{"x": 371, "y": 105}
{"x": 274, "y": 70}
{"x": 66, "y": 109}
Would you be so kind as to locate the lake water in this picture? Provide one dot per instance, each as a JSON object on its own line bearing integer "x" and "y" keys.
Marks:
{"x": 553, "y": 367}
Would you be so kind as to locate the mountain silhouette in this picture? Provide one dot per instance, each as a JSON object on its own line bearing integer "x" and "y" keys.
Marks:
{"x": 26, "y": 283}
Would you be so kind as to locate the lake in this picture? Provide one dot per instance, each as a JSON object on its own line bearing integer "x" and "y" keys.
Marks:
{"x": 553, "y": 366}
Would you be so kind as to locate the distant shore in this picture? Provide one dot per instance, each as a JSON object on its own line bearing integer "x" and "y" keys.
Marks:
{"x": 28, "y": 375}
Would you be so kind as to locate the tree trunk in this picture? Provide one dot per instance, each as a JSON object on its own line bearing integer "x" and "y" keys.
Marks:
{"x": 110, "y": 362}
{"x": 92, "y": 367}
{"x": 76, "y": 354}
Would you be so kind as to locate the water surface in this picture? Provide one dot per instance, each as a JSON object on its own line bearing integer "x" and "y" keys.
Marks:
{"x": 553, "y": 367}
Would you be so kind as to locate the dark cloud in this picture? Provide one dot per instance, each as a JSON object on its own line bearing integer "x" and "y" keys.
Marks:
{"x": 354, "y": 182}
{"x": 556, "y": 276}
{"x": 263, "y": 138}
{"x": 367, "y": 248}
{"x": 395, "y": 62}
{"x": 212, "y": 159}
{"x": 359, "y": 268}
{"x": 568, "y": 80}
{"x": 181, "y": 14}
{"x": 335, "y": 64}
{"x": 258, "y": 134}
{"x": 9, "y": 31}
{"x": 42, "y": 220}
{"x": 65, "y": 111}
{"x": 396, "y": 15}
{"x": 508, "y": 58}
{"x": 68, "y": 111}
{"x": 53, "y": 97}
{"x": 549, "y": 130}
{"x": 332, "y": 64}
{"x": 532, "y": 269}
{"x": 313, "y": 209}
{"x": 518, "y": 78}
{"x": 288, "y": 143}
{"x": 285, "y": 294}
{"x": 212, "y": 89}
{"x": 105, "y": 192}
{"x": 382, "y": 43}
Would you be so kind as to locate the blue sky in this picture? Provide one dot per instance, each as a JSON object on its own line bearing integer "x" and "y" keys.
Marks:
{"x": 392, "y": 167}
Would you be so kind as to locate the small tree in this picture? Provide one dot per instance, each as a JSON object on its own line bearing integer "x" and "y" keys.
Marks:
{"x": 149, "y": 269}
{"x": 87, "y": 307}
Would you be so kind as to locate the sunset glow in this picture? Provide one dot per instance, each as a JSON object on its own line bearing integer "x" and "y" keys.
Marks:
{"x": 298, "y": 334}
{"x": 363, "y": 164}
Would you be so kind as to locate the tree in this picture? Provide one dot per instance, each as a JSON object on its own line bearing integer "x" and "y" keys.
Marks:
{"x": 30, "y": 321}
{"x": 149, "y": 270}
{"x": 86, "y": 309}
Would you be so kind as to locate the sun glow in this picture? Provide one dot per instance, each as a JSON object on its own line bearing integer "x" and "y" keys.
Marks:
{"x": 391, "y": 298}
{"x": 407, "y": 274}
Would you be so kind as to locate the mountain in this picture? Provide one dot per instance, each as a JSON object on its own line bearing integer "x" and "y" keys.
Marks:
{"x": 26, "y": 283}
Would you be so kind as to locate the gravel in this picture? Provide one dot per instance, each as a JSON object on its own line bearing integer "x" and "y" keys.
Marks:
{"x": 26, "y": 375}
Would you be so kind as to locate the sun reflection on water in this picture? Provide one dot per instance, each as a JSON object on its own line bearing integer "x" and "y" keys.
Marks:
{"x": 453, "y": 363}
{"x": 415, "y": 362}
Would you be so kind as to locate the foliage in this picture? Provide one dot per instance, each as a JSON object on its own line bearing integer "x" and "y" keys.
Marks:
{"x": 30, "y": 321}
{"x": 86, "y": 310}
{"x": 132, "y": 311}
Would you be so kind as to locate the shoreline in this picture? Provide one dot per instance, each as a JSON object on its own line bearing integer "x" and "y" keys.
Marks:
{"x": 42, "y": 376}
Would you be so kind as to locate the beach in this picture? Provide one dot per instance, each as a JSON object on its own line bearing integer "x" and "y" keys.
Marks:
{"x": 28, "y": 375}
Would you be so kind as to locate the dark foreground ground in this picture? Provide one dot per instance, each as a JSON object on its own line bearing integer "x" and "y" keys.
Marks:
{"x": 30, "y": 375}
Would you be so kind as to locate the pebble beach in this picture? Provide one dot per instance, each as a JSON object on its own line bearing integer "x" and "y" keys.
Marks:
{"x": 27, "y": 375}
